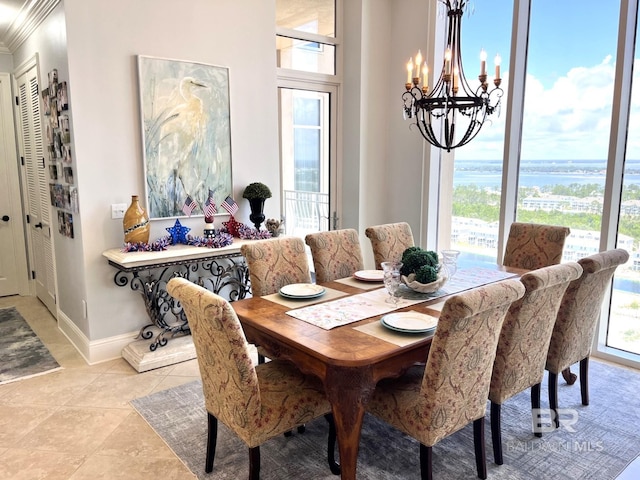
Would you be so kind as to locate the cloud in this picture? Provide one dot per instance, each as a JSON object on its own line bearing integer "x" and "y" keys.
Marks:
{"x": 571, "y": 119}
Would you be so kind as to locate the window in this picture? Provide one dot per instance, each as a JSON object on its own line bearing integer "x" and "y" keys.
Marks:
{"x": 569, "y": 145}
{"x": 306, "y": 44}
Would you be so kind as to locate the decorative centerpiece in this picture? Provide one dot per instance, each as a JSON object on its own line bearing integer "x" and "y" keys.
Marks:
{"x": 421, "y": 270}
{"x": 256, "y": 193}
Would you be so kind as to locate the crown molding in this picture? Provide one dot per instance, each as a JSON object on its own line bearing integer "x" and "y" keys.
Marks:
{"x": 33, "y": 14}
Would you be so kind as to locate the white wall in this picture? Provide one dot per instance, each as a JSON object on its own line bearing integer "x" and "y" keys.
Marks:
{"x": 102, "y": 39}
{"x": 381, "y": 158}
{"x": 103, "y": 44}
{"x": 6, "y": 62}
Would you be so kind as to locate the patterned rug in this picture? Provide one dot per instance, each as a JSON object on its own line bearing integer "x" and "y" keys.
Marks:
{"x": 22, "y": 354}
{"x": 597, "y": 443}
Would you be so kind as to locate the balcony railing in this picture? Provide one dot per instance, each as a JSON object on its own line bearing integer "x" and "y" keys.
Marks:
{"x": 305, "y": 212}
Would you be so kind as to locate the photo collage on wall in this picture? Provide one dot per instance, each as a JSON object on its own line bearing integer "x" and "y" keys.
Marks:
{"x": 62, "y": 189}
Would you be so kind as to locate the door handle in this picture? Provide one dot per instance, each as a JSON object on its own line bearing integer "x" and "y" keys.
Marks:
{"x": 38, "y": 225}
{"x": 5, "y": 218}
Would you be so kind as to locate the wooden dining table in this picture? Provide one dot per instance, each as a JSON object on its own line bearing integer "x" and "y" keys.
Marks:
{"x": 349, "y": 361}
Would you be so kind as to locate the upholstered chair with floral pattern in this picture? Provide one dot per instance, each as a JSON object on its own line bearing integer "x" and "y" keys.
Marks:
{"x": 336, "y": 254}
{"x": 577, "y": 319}
{"x": 256, "y": 403}
{"x": 274, "y": 263}
{"x": 532, "y": 245}
{"x": 524, "y": 341}
{"x": 431, "y": 402}
{"x": 389, "y": 241}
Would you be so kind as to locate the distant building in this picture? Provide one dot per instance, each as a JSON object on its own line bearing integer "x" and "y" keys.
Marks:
{"x": 580, "y": 243}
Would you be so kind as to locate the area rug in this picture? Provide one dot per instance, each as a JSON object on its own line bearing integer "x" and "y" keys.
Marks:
{"x": 595, "y": 442}
{"x": 22, "y": 354}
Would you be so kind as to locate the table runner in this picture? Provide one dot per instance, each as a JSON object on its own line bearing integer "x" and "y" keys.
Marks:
{"x": 371, "y": 304}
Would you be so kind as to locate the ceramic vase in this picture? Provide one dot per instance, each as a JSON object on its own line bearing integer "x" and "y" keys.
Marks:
{"x": 136, "y": 223}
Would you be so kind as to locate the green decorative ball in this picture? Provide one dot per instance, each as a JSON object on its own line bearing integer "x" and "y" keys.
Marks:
{"x": 426, "y": 274}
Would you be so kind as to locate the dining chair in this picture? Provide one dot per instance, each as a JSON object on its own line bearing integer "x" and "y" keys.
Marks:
{"x": 532, "y": 245}
{"x": 274, "y": 263}
{"x": 431, "y": 402}
{"x": 524, "y": 342}
{"x": 389, "y": 241}
{"x": 335, "y": 253}
{"x": 578, "y": 315}
{"x": 257, "y": 403}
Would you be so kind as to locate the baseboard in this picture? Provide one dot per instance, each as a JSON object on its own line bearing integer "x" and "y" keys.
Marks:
{"x": 95, "y": 351}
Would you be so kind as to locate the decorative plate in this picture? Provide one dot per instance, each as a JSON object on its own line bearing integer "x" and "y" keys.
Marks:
{"x": 369, "y": 275}
{"x": 410, "y": 322}
{"x": 302, "y": 290}
{"x": 424, "y": 287}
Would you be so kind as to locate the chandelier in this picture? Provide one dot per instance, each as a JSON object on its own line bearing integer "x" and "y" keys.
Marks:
{"x": 452, "y": 99}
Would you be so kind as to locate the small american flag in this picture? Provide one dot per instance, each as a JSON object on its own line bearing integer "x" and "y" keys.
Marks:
{"x": 189, "y": 205}
{"x": 229, "y": 205}
{"x": 209, "y": 206}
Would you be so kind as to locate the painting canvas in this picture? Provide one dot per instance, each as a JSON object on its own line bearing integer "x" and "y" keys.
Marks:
{"x": 186, "y": 134}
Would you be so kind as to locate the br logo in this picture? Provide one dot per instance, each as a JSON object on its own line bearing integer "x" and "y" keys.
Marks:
{"x": 544, "y": 419}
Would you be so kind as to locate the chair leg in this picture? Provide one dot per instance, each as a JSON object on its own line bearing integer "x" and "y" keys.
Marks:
{"x": 535, "y": 409}
{"x": 331, "y": 446}
{"x": 254, "y": 463}
{"x": 212, "y": 435}
{"x": 584, "y": 380}
{"x": 478, "y": 443}
{"x": 569, "y": 377}
{"x": 426, "y": 461}
{"x": 553, "y": 397}
{"x": 496, "y": 434}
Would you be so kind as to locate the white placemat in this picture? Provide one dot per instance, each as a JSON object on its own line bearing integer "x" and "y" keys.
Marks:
{"x": 376, "y": 329}
{"x": 330, "y": 294}
{"x": 354, "y": 282}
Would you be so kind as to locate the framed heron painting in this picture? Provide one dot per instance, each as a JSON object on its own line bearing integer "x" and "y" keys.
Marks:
{"x": 186, "y": 135}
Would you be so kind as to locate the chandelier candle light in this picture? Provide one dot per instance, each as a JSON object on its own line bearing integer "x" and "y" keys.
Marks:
{"x": 451, "y": 95}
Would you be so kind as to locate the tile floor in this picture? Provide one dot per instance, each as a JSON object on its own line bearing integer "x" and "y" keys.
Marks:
{"x": 77, "y": 423}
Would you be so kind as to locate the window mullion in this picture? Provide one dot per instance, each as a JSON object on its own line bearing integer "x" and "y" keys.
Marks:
{"x": 515, "y": 111}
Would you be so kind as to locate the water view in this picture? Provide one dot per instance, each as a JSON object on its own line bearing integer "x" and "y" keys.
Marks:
{"x": 561, "y": 192}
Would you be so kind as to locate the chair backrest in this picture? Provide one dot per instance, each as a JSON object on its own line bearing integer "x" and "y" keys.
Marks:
{"x": 533, "y": 246}
{"x": 389, "y": 241}
{"x": 229, "y": 379}
{"x": 526, "y": 331}
{"x": 336, "y": 254}
{"x": 456, "y": 380}
{"x": 579, "y": 311}
{"x": 276, "y": 262}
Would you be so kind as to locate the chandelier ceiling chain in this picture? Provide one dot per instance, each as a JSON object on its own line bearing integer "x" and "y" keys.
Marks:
{"x": 452, "y": 98}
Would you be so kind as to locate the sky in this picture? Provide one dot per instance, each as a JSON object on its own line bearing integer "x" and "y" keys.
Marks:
{"x": 570, "y": 77}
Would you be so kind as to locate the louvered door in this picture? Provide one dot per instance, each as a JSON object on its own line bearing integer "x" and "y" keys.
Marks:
{"x": 37, "y": 188}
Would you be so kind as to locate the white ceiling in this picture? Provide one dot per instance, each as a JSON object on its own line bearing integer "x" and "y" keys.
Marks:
{"x": 9, "y": 10}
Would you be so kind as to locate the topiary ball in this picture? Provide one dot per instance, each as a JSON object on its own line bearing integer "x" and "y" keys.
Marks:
{"x": 426, "y": 274}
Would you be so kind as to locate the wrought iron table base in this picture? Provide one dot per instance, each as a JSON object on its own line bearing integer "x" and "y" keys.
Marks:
{"x": 166, "y": 314}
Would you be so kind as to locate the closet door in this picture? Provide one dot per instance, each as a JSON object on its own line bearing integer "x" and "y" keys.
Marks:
{"x": 35, "y": 181}
{"x": 13, "y": 257}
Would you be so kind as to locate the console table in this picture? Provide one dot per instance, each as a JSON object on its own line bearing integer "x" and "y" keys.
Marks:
{"x": 221, "y": 270}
